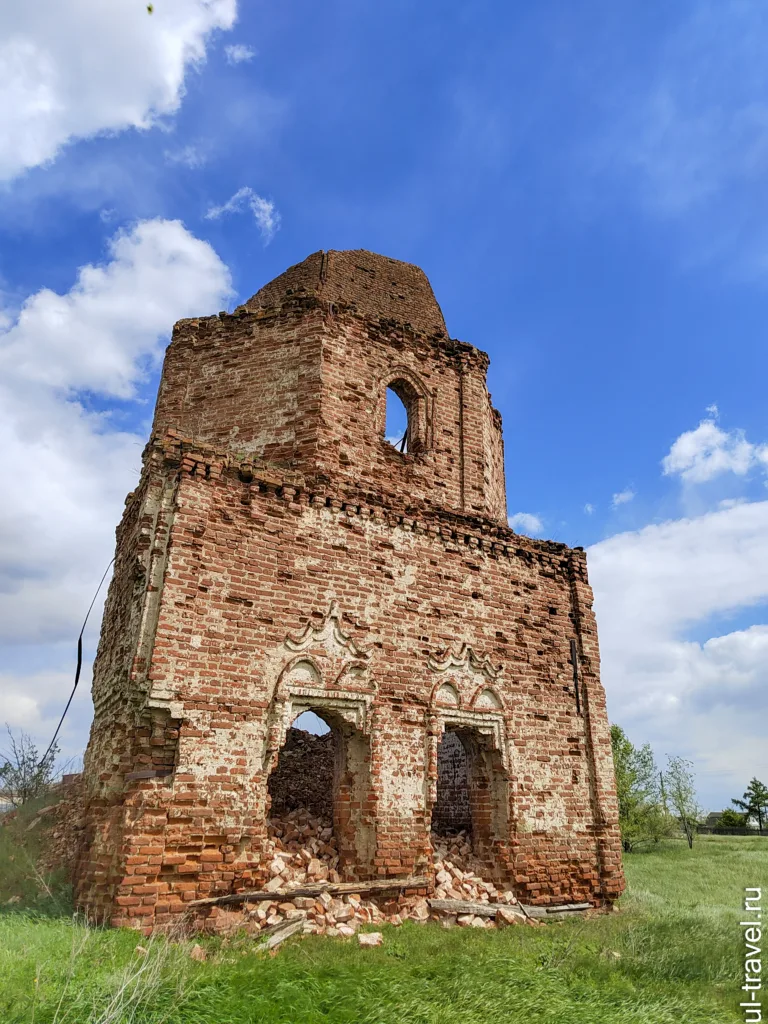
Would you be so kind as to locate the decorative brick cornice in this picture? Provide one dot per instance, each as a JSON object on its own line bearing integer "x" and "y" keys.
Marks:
{"x": 208, "y": 463}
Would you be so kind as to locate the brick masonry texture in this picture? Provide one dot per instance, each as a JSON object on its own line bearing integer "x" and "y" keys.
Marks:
{"x": 278, "y": 556}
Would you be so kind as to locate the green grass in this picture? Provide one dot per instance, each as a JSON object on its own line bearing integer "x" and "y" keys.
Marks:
{"x": 671, "y": 955}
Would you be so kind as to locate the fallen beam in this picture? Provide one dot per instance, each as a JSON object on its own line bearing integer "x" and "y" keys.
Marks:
{"x": 557, "y": 909}
{"x": 470, "y": 907}
{"x": 315, "y": 889}
{"x": 280, "y": 934}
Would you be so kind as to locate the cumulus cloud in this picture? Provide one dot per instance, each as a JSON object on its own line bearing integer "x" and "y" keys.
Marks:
{"x": 702, "y": 454}
{"x": 263, "y": 210}
{"x": 99, "y": 334}
{"x": 72, "y": 71}
{"x": 589, "y": 508}
{"x": 622, "y": 497}
{"x": 68, "y": 467}
{"x": 238, "y": 53}
{"x": 527, "y": 523}
{"x": 653, "y": 588}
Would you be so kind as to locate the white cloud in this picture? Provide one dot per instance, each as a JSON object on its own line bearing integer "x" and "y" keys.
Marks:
{"x": 187, "y": 156}
{"x": 527, "y": 523}
{"x": 99, "y": 334}
{"x": 27, "y": 696}
{"x": 652, "y": 587}
{"x": 68, "y": 468}
{"x": 238, "y": 53}
{"x": 623, "y": 497}
{"x": 589, "y": 509}
{"x": 73, "y": 70}
{"x": 263, "y": 210}
{"x": 700, "y": 455}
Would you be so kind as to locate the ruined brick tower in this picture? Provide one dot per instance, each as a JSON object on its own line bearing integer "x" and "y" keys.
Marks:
{"x": 279, "y": 555}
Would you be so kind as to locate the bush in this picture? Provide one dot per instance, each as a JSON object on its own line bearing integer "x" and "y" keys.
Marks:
{"x": 24, "y": 775}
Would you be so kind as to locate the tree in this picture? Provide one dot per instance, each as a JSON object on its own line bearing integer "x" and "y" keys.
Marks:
{"x": 642, "y": 817}
{"x": 755, "y": 802}
{"x": 681, "y": 792}
{"x": 731, "y": 819}
{"x": 23, "y": 775}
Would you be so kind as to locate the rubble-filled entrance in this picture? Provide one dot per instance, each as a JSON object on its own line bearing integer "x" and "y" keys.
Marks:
{"x": 320, "y": 787}
{"x": 470, "y": 811}
{"x": 304, "y": 774}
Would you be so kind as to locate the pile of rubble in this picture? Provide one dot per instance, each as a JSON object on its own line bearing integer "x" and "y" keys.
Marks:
{"x": 458, "y": 877}
{"x": 303, "y": 851}
{"x": 303, "y": 776}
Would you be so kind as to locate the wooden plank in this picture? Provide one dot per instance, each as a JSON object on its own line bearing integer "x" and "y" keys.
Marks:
{"x": 315, "y": 889}
{"x": 281, "y": 934}
{"x": 561, "y": 908}
{"x": 470, "y": 907}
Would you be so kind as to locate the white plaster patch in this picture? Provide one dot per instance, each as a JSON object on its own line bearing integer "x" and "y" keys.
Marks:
{"x": 487, "y": 699}
{"x": 447, "y": 694}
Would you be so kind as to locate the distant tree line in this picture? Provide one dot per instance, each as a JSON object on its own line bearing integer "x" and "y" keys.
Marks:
{"x": 655, "y": 804}
{"x": 753, "y": 808}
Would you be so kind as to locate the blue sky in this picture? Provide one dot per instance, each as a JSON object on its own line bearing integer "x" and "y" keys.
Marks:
{"x": 586, "y": 187}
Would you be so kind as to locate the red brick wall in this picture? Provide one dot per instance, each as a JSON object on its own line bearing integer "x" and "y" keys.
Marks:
{"x": 384, "y": 591}
{"x": 303, "y": 385}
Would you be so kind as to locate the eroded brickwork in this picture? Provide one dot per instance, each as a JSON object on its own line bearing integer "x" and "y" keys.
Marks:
{"x": 279, "y": 556}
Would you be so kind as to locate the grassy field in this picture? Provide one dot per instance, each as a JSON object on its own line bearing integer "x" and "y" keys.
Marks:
{"x": 671, "y": 955}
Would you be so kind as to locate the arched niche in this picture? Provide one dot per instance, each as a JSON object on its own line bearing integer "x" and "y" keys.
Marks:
{"x": 447, "y": 695}
{"x": 487, "y": 699}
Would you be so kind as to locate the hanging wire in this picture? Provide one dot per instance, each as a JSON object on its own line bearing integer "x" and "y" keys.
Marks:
{"x": 79, "y": 663}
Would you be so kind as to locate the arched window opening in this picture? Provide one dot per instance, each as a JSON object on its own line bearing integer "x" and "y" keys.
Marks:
{"x": 301, "y": 784}
{"x": 317, "y": 790}
{"x": 396, "y": 427}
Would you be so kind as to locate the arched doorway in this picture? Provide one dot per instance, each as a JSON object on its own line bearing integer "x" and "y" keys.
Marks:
{"x": 471, "y": 804}
{"x": 319, "y": 794}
